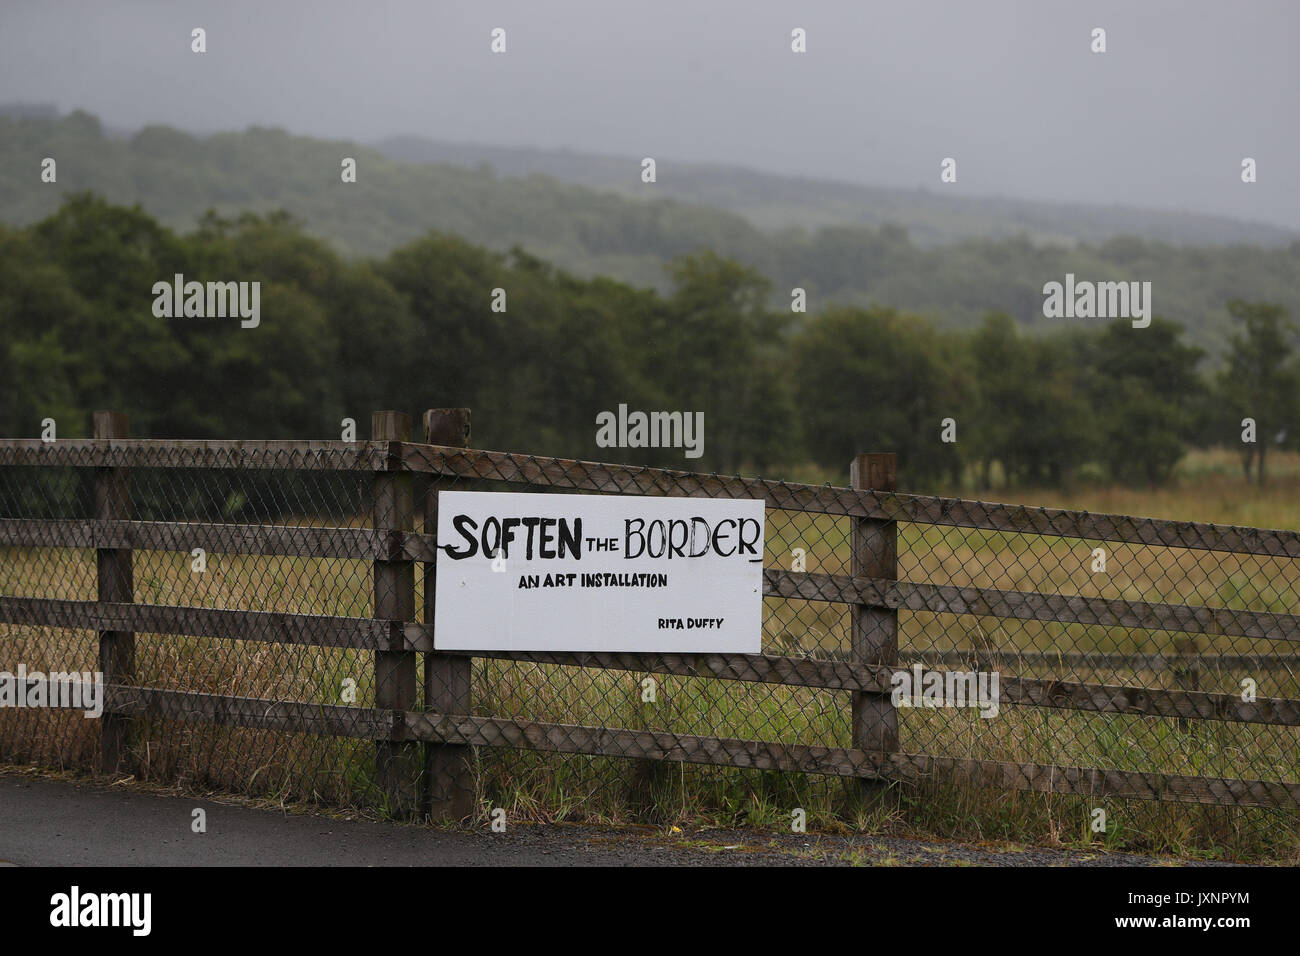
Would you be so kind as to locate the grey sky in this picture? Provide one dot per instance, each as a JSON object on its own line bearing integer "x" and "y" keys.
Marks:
{"x": 885, "y": 91}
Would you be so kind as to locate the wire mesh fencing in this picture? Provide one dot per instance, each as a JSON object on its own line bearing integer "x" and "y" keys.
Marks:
{"x": 262, "y": 615}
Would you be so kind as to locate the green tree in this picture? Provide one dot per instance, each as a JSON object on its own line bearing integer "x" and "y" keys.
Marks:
{"x": 1259, "y": 380}
{"x": 1000, "y": 366}
{"x": 1146, "y": 396}
{"x": 38, "y": 310}
{"x": 1030, "y": 412}
{"x": 875, "y": 380}
{"x": 120, "y": 353}
{"x": 1054, "y": 427}
{"x": 713, "y": 351}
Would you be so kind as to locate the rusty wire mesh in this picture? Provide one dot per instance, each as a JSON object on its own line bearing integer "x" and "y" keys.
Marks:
{"x": 1254, "y": 592}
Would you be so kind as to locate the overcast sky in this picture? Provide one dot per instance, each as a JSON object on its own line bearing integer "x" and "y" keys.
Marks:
{"x": 884, "y": 93}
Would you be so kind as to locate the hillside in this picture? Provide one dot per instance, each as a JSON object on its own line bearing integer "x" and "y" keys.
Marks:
{"x": 590, "y": 231}
{"x": 773, "y": 202}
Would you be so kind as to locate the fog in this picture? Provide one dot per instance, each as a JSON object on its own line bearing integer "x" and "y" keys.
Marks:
{"x": 884, "y": 92}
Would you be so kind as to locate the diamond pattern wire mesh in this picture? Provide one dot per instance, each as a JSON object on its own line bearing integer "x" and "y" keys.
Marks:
{"x": 1162, "y": 573}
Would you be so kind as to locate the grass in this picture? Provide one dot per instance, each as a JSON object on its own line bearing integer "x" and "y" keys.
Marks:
{"x": 555, "y": 787}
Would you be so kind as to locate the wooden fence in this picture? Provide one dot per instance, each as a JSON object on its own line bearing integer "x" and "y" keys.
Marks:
{"x": 421, "y": 751}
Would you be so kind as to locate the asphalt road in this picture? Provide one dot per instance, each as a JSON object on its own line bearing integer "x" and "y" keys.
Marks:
{"x": 49, "y": 822}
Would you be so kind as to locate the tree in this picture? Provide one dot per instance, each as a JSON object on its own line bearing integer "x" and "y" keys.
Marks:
{"x": 1146, "y": 398}
{"x": 1031, "y": 409}
{"x": 447, "y": 285}
{"x": 1259, "y": 381}
{"x": 713, "y": 353}
{"x": 999, "y": 361}
{"x": 1054, "y": 429}
{"x": 111, "y": 256}
{"x": 875, "y": 380}
{"x": 37, "y": 372}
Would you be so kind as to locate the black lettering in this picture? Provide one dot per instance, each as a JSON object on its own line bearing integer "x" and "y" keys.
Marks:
{"x": 542, "y": 550}
{"x": 531, "y": 525}
{"x": 627, "y": 537}
{"x": 717, "y": 531}
{"x": 492, "y": 522}
{"x": 705, "y": 547}
{"x": 679, "y": 548}
{"x": 507, "y": 535}
{"x": 747, "y": 544}
{"x": 570, "y": 538}
{"x": 465, "y": 525}
{"x": 650, "y": 537}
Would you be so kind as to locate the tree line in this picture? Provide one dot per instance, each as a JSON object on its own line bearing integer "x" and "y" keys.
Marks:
{"x": 779, "y": 390}
{"x": 594, "y": 232}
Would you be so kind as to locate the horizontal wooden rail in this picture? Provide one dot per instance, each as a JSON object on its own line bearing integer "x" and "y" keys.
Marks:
{"x": 1102, "y": 660}
{"x": 1086, "y": 781}
{"x": 878, "y": 678}
{"x": 372, "y": 724}
{"x": 259, "y": 713}
{"x": 647, "y": 745}
{"x": 363, "y": 544}
{"x": 1030, "y": 605}
{"x": 574, "y": 474}
{"x": 268, "y": 626}
{"x": 368, "y": 634}
{"x": 762, "y": 669}
{"x": 290, "y": 716}
{"x": 151, "y": 453}
{"x": 803, "y": 758}
{"x": 1058, "y": 522}
{"x": 1147, "y": 702}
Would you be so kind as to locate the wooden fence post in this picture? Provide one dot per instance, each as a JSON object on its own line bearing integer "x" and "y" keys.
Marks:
{"x": 117, "y": 585}
{"x": 396, "y": 762}
{"x": 874, "y": 630}
{"x": 449, "y": 791}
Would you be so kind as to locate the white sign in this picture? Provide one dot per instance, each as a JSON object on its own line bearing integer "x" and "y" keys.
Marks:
{"x": 533, "y": 572}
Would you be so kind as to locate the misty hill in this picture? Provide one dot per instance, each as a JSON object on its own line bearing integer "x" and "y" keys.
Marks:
{"x": 773, "y": 202}
{"x": 588, "y": 231}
